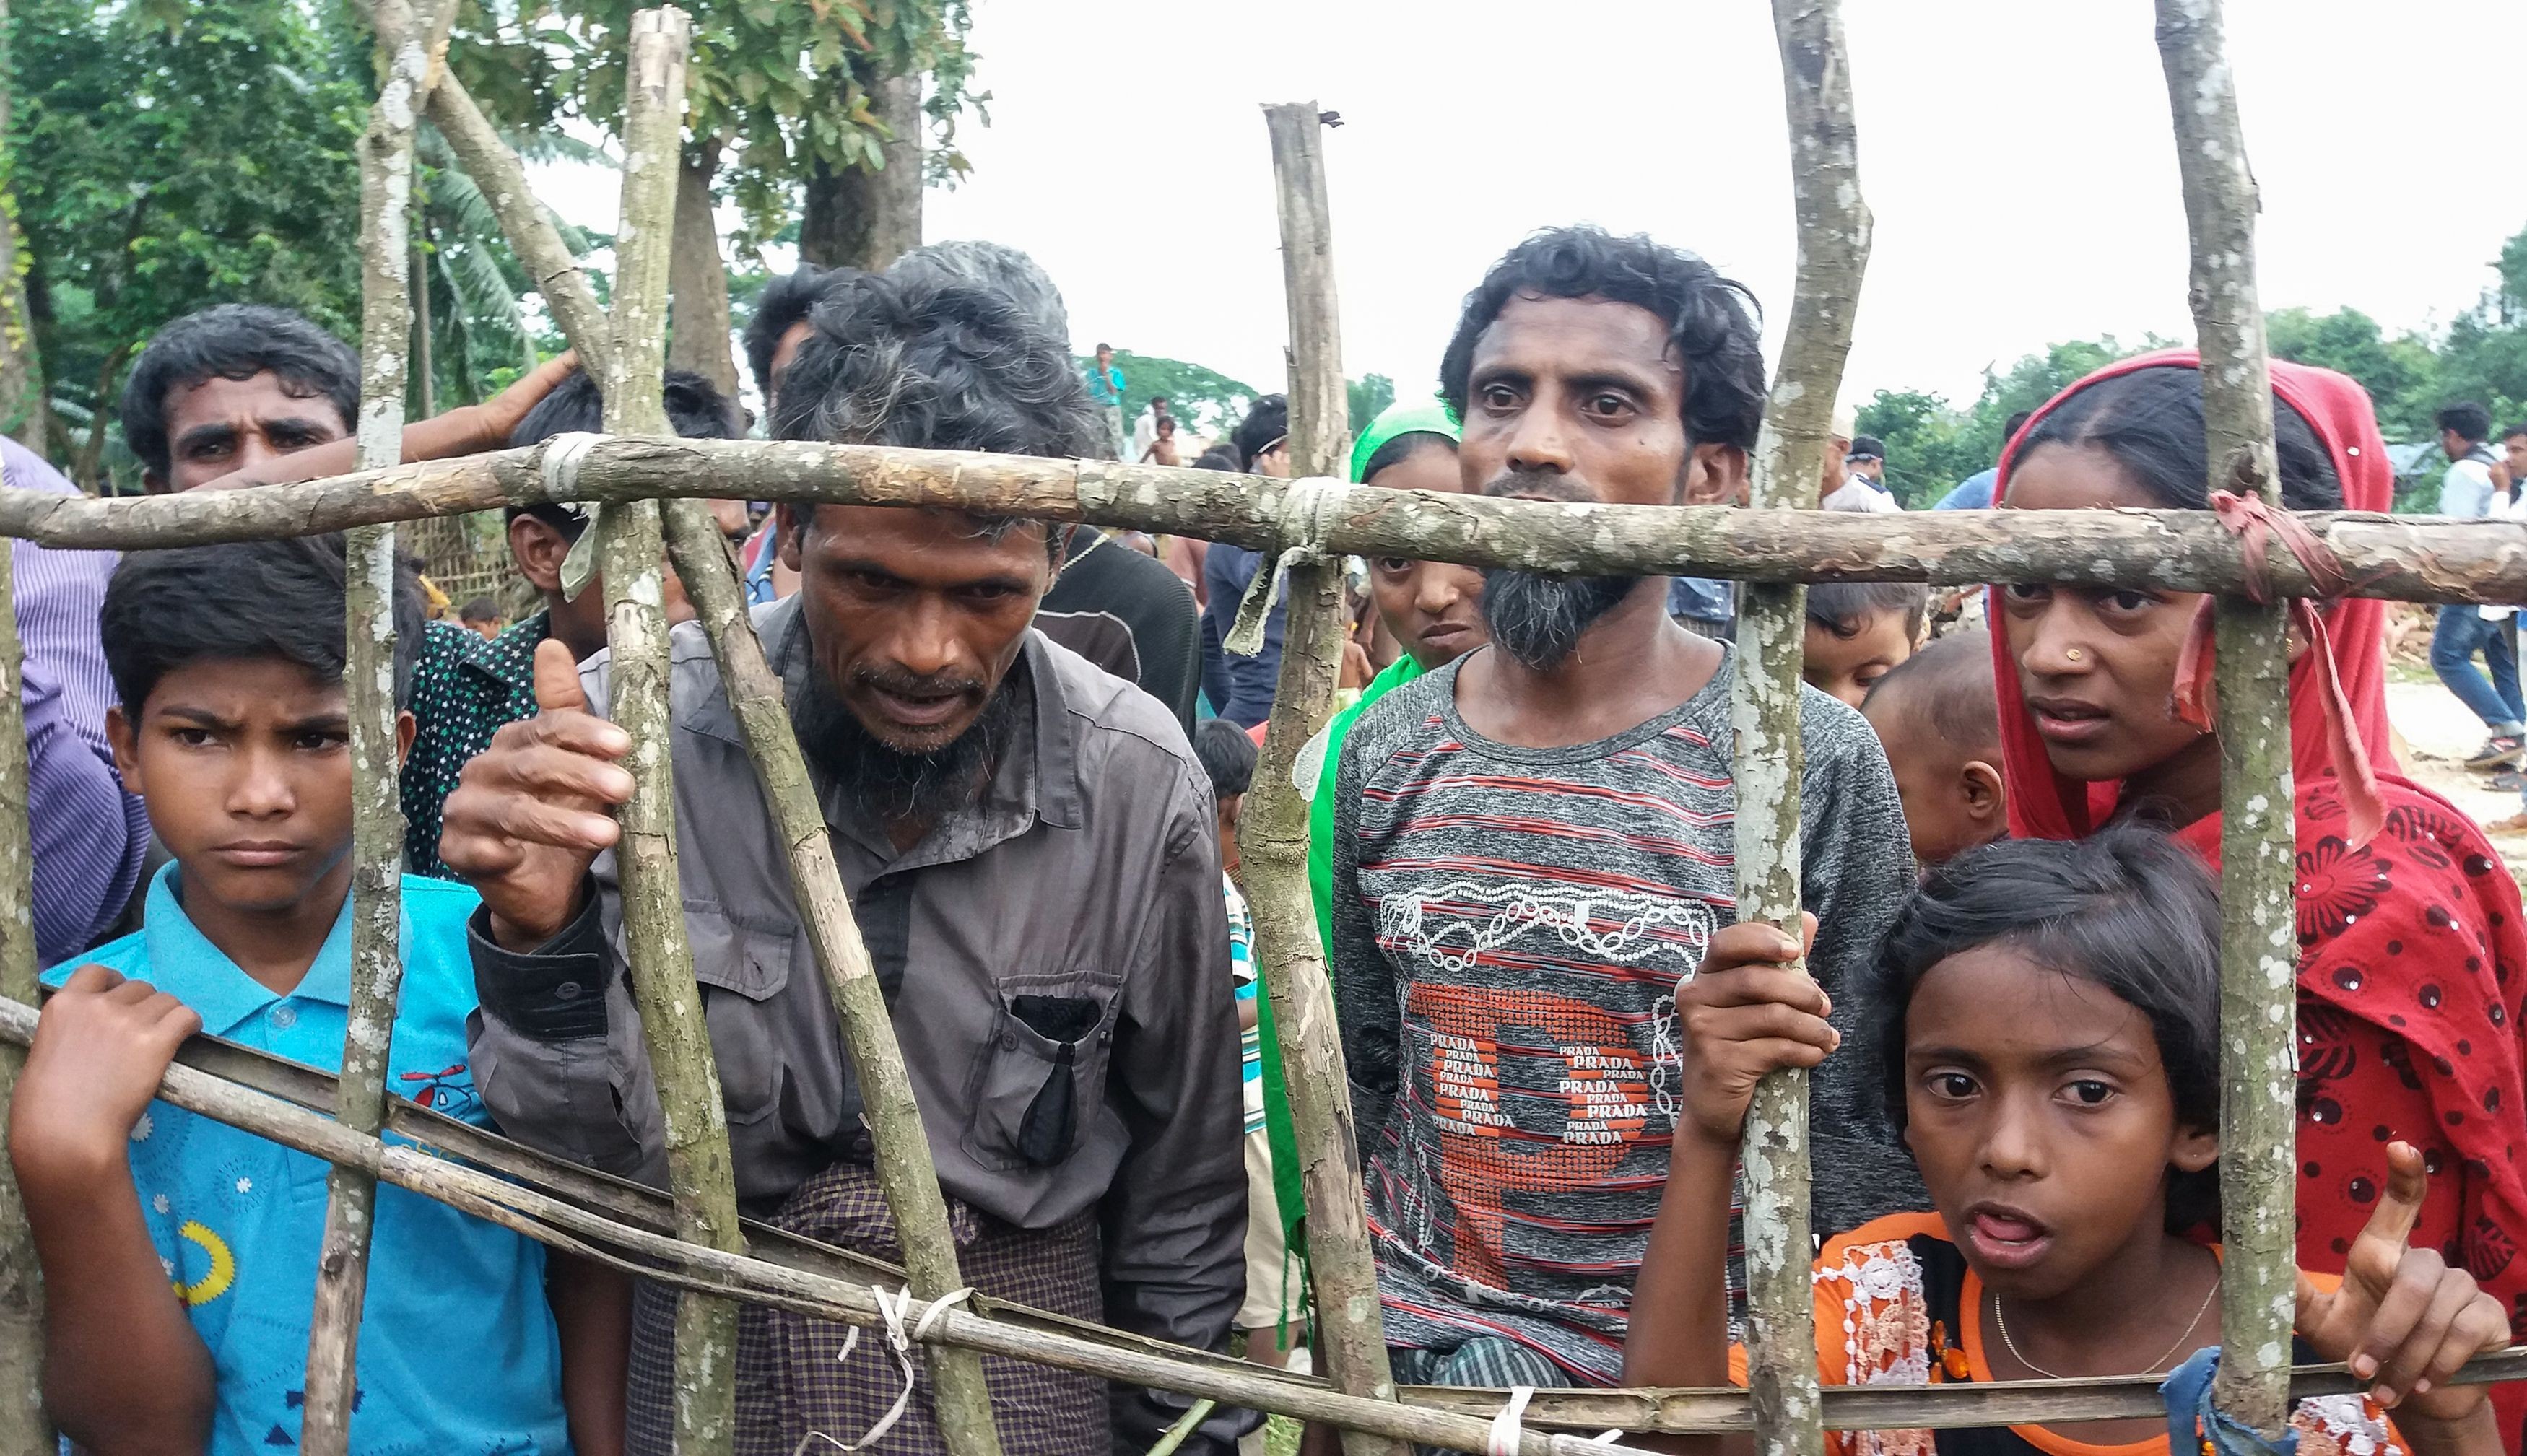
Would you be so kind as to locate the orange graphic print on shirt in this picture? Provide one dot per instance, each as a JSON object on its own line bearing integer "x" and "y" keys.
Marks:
{"x": 1583, "y": 1095}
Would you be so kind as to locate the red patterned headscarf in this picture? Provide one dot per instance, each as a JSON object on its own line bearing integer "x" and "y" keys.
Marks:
{"x": 2412, "y": 954}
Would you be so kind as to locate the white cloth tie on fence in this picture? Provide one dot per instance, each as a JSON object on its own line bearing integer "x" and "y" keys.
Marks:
{"x": 1309, "y": 510}
{"x": 563, "y": 455}
{"x": 891, "y": 1308}
{"x": 1506, "y": 1429}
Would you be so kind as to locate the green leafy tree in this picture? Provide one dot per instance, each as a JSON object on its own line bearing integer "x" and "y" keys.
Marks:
{"x": 2401, "y": 375}
{"x": 1931, "y": 445}
{"x": 1369, "y": 395}
{"x": 1927, "y": 446}
{"x": 1205, "y": 401}
{"x": 790, "y": 104}
{"x": 473, "y": 300}
{"x": 2485, "y": 356}
{"x": 169, "y": 157}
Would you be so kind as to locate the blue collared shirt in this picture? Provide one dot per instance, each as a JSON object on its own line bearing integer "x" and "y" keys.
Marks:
{"x": 1973, "y": 493}
{"x": 457, "y": 1346}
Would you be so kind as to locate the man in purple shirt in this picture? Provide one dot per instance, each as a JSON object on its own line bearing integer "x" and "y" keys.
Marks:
{"x": 91, "y": 837}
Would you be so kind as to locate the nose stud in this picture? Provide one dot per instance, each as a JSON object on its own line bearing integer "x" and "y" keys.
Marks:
{"x": 2075, "y": 654}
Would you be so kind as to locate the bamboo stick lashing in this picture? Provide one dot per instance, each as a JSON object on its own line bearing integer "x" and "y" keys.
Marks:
{"x": 405, "y": 40}
{"x": 694, "y": 1118}
{"x": 2258, "y": 939}
{"x": 1272, "y": 833}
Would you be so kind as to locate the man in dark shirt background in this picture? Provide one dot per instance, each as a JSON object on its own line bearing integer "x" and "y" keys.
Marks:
{"x": 1241, "y": 684}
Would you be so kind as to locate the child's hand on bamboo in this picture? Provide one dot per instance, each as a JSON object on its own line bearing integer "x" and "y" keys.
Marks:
{"x": 100, "y": 1048}
{"x": 1747, "y": 1012}
{"x": 2402, "y": 1318}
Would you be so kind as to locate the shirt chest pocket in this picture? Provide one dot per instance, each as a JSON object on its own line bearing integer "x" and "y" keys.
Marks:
{"x": 1042, "y": 1081}
{"x": 745, "y": 969}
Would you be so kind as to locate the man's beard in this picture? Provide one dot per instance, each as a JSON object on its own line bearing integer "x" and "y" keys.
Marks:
{"x": 1539, "y": 618}
{"x": 1536, "y": 617}
{"x": 887, "y": 783}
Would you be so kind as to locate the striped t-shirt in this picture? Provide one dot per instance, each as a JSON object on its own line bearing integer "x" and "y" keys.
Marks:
{"x": 1241, "y": 968}
{"x": 1510, "y": 928}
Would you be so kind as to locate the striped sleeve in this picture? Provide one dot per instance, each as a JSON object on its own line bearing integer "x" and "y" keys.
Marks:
{"x": 89, "y": 836}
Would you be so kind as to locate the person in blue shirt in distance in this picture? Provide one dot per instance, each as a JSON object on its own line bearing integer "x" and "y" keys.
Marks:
{"x": 1975, "y": 491}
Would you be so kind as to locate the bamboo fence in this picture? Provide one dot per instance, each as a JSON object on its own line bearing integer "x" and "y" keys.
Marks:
{"x": 691, "y": 1237}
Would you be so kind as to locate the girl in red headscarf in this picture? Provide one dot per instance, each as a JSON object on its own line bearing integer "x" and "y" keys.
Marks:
{"x": 2412, "y": 954}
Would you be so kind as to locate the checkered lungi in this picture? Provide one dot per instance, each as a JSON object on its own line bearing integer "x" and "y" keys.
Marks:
{"x": 790, "y": 1381}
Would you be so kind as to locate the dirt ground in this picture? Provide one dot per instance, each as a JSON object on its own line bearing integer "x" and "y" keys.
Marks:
{"x": 2438, "y": 732}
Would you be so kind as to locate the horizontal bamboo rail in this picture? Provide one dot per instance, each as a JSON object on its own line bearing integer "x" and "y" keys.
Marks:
{"x": 234, "y": 1090}
{"x": 2406, "y": 558}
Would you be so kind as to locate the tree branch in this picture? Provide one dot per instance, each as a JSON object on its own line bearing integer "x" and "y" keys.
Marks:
{"x": 1272, "y": 833}
{"x": 904, "y": 1171}
{"x": 2259, "y": 1166}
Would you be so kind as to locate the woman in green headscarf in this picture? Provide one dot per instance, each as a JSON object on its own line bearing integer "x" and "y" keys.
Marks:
{"x": 1435, "y": 610}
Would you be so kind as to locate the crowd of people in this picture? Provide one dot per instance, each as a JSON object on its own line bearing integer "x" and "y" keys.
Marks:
{"x": 1031, "y": 745}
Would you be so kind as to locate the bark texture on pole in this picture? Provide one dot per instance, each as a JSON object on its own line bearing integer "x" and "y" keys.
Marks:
{"x": 698, "y": 277}
{"x": 406, "y": 42}
{"x": 700, "y": 1173}
{"x": 24, "y": 1431}
{"x": 1834, "y": 250}
{"x": 1764, "y": 708}
{"x": 496, "y": 170}
{"x": 1320, "y": 404}
{"x": 2401, "y": 558}
{"x": 2258, "y": 943}
{"x": 1272, "y": 833}
{"x": 1780, "y": 1325}
{"x": 904, "y": 1171}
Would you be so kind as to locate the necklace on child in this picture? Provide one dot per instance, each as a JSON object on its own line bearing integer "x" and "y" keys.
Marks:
{"x": 2000, "y": 1321}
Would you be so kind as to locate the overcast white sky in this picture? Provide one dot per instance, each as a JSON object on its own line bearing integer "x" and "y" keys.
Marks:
{"x": 2016, "y": 153}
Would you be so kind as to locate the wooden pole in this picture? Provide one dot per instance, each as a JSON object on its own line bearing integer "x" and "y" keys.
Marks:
{"x": 2401, "y": 558}
{"x": 424, "y": 366}
{"x": 405, "y": 43}
{"x": 497, "y": 172}
{"x": 24, "y": 1431}
{"x": 1834, "y": 250}
{"x": 2258, "y": 961}
{"x": 1272, "y": 834}
{"x": 700, "y": 1173}
{"x": 1320, "y": 404}
{"x": 1764, "y": 711}
{"x": 904, "y": 1171}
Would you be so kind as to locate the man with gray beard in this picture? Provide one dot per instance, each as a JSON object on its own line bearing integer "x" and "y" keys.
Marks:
{"x": 1031, "y": 850}
{"x": 1534, "y": 843}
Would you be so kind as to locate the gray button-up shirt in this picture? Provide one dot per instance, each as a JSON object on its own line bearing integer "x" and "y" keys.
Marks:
{"x": 1069, "y": 924}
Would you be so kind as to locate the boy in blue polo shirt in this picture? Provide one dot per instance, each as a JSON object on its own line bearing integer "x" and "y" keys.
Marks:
{"x": 179, "y": 1254}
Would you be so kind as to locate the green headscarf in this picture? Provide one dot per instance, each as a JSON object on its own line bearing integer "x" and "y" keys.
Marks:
{"x": 1430, "y": 418}
{"x": 1426, "y": 417}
